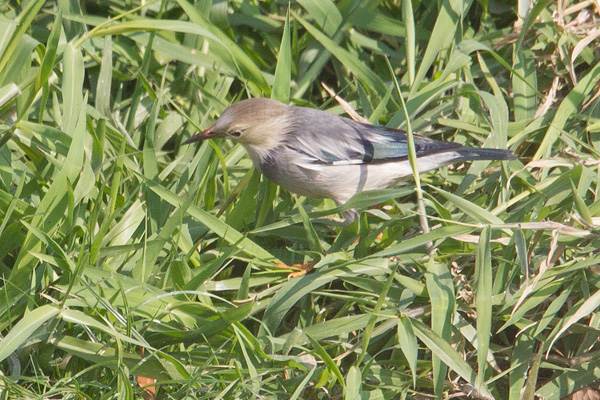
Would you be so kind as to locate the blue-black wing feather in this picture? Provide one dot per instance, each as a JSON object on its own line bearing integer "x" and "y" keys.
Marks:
{"x": 348, "y": 141}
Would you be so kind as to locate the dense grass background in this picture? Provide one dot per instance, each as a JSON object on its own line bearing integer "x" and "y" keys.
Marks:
{"x": 115, "y": 239}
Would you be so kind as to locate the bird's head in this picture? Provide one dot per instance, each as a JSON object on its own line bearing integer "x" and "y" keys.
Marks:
{"x": 258, "y": 124}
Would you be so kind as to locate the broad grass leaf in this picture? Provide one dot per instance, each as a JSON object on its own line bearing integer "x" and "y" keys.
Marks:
{"x": 48, "y": 62}
{"x": 407, "y": 341}
{"x": 8, "y": 93}
{"x": 55, "y": 199}
{"x": 542, "y": 292}
{"x": 331, "y": 328}
{"x": 283, "y": 70}
{"x": 424, "y": 97}
{"x": 249, "y": 361}
{"x": 354, "y": 381}
{"x": 21, "y": 71}
{"x": 245, "y": 284}
{"x": 555, "y": 306}
{"x": 73, "y": 73}
{"x": 483, "y": 302}
{"x": 179, "y": 52}
{"x": 568, "y": 107}
{"x": 22, "y": 331}
{"x": 98, "y": 353}
{"x": 105, "y": 78}
{"x": 498, "y": 111}
{"x": 309, "y": 229}
{"x": 441, "y": 295}
{"x": 577, "y": 377}
{"x": 215, "y": 225}
{"x": 588, "y": 307}
{"x": 468, "y": 46}
{"x": 325, "y": 14}
{"x": 524, "y": 83}
{"x": 215, "y": 323}
{"x": 521, "y": 249}
{"x": 360, "y": 200}
{"x": 520, "y": 361}
{"x": 291, "y": 292}
{"x": 421, "y": 240}
{"x": 374, "y": 20}
{"x": 409, "y": 23}
{"x": 351, "y": 62}
{"x": 451, "y": 13}
{"x": 581, "y": 207}
{"x": 77, "y": 317}
{"x": 368, "y": 332}
{"x": 477, "y": 213}
{"x": 303, "y": 385}
{"x": 532, "y": 15}
{"x": 62, "y": 260}
{"x": 238, "y": 60}
{"x": 7, "y": 29}
{"x": 446, "y": 353}
{"x": 15, "y": 32}
{"x": 331, "y": 366}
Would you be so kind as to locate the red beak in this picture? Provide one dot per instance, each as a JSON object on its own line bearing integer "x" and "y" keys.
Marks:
{"x": 206, "y": 134}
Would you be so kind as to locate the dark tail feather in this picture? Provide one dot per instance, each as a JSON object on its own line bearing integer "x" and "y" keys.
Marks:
{"x": 485, "y": 154}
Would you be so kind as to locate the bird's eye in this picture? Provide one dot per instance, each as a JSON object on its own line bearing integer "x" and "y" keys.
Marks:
{"x": 236, "y": 133}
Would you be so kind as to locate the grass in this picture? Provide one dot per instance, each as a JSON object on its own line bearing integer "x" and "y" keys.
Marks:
{"x": 132, "y": 264}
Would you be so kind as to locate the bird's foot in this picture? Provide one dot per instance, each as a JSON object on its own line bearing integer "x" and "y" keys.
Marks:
{"x": 302, "y": 269}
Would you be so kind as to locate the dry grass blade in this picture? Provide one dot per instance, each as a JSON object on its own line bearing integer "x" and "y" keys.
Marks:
{"x": 347, "y": 107}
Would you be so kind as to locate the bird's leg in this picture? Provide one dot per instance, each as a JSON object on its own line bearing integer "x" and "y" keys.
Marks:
{"x": 302, "y": 269}
{"x": 349, "y": 216}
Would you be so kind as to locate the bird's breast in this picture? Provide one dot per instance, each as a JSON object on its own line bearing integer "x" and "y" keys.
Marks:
{"x": 294, "y": 172}
{"x": 285, "y": 168}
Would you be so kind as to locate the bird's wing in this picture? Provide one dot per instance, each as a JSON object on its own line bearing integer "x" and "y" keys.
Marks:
{"x": 323, "y": 138}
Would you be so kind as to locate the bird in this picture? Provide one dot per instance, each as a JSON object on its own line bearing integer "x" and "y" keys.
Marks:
{"x": 318, "y": 154}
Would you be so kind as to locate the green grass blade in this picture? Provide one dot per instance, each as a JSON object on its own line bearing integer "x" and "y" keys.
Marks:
{"x": 568, "y": 107}
{"x": 22, "y": 331}
{"x": 214, "y": 224}
{"x": 588, "y": 307}
{"x": 409, "y": 23}
{"x": 477, "y": 213}
{"x": 483, "y": 303}
{"x": 442, "y": 349}
{"x": 331, "y": 366}
{"x": 441, "y": 295}
{"x": 72, "y": 85}
{"x": 24, "y": 21}
{"x": 291, "y": 292}
{"x": 105, "y": 78}
{"x": 347, "y": 59}
{"x": 407, "y": 340}
{"x": 450, "y": 15}
{"x": 283, "y": 70}
{"x": 50, "y": 54}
